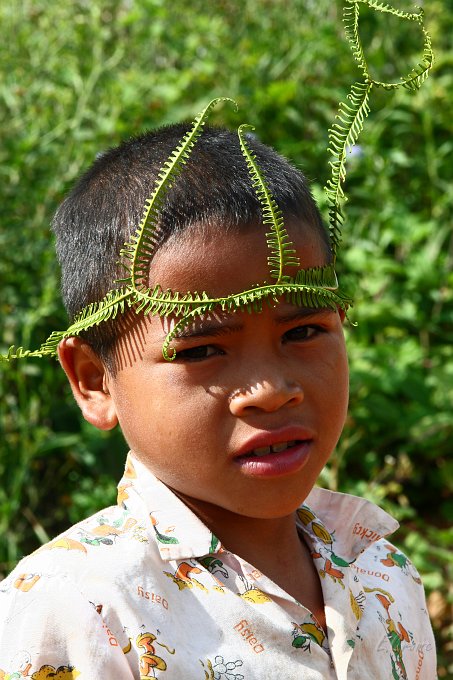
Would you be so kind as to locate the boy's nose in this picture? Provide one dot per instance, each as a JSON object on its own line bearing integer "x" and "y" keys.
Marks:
{"x": 266, "y": 396}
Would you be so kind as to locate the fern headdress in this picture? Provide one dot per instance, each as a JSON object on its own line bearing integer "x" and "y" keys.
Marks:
{"x": 314, "y": 287}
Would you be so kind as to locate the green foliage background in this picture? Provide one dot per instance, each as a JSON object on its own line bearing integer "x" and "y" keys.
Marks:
{"x": 78, "y": 77}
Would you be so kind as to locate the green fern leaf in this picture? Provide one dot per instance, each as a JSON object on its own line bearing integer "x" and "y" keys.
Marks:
{"x": 325, "y": 277}
{"x": 113, "y": 303}
{"x": 419, "y": 74}
{"x": 351, "y": 29}
{"x": 351, "y": 115}
{"x": 18, "y": 353}
{"x": 179, "y": 326}
{"x": 313, "y": 296}
{"x": 283, "y": 252}
{"x": 384, "y": 7}
{"x": 139, "y": 250}
{"x": 351, "y": 24}
{"x": 342, "y": 136}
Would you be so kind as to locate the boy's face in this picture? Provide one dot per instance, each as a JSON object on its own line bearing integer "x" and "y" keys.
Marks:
{"x": 240, "y": 383}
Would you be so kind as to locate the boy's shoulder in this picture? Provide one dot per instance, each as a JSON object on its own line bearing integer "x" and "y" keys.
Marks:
{"x": 109, "y": 542}
{"x": 52, "y": 604}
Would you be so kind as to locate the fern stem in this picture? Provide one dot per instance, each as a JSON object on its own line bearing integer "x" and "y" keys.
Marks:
{"x": 171, "y": 169}
{"x": 283, "y": 251}
{"x": 341, "y": 138}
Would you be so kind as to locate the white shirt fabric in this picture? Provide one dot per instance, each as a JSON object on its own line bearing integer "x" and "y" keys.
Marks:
{"x": 145, "y": 590}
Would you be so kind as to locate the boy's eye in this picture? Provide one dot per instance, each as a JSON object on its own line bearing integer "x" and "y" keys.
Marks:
{"x": 198, "y": 353}
{"x": 302, "y": 333}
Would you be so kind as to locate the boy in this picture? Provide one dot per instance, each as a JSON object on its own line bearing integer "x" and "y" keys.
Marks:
{"x": 221, "y": 560}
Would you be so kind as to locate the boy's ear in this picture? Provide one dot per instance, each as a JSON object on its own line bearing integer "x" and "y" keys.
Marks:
{"x": 88, "y": 379}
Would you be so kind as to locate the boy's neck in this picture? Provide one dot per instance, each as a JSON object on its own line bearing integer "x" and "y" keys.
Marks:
{"x": 273, "y": 546}
{"x": 248, "y": 537}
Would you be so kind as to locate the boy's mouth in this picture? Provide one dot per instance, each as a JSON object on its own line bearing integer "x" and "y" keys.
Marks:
{"x": 272, "y": 454}
{"x": 274, "y": 448}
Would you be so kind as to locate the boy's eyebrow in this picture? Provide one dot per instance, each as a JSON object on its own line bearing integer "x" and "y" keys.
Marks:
{"x": 302, "y": 313}
{"x": 215, "y": 327}
{"x": 209, "y": 329}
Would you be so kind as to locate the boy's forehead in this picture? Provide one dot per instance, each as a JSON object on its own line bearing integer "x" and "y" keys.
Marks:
{"x": 224, "y": 262}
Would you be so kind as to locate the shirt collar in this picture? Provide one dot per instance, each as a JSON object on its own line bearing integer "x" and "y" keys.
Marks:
{"x": 345, "y": 522}
{"x": 176, "y": 530}
{"x": 180, "y": 534}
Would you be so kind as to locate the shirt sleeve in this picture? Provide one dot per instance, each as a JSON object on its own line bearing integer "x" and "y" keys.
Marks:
{"x": 425, "y": 662}
{"x": 396, "y": 629}
{"x": 47, "y": 625}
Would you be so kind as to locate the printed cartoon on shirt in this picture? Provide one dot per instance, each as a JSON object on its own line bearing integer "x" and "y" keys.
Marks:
{"x": 152, "y": 661}
{"x": 396, "y": 633}
{"x": 104, "y": 532}
{"x": 394, "y": 558}
{"x": 221, "y": 669}
{"x": 126, "y": 483}
{"x": 189, "y": 575}
{"x": 306, "y": 633}
{"x": 357, "y": 601}
{"x": 25, "y": 582}
{"x": 163, "y": 537}
{"x": 217, "y": 569}
{"x": 21, "y": 667}
{"x": 215, "y": 566}
{"x": 325, "y": 551}
{"x": 252, "y": 594}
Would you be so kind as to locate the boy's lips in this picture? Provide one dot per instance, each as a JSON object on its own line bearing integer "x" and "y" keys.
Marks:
{"x": 275, "y": 453}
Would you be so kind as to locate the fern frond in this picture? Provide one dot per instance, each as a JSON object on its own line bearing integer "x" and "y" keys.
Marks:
{"x": 92, "y": 315}
{"x": 282, "y": 249}
{"x": 351, "y": 29}
{"x": 179, "y": 326}
{"x": 324, "y": 277}
{"x": 419, "y": 74}
{"x": 351, "y": 21}
{"x": 139, "y": 250}
{"x": 319, "y": 297}
{"x": 18, "y": 353}
{"x": 342, "y": 136}
{"x": 351, "y": 115}
{"x": 384, "y": 7}
{"x": 315, "y": 287}
{"x": 114, "y": 302}
{"x": 165, "y": 303}
{"x": 314, "y": 296}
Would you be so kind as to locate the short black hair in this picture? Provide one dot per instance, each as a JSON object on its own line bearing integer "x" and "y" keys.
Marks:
{"x": 106, "y": 205}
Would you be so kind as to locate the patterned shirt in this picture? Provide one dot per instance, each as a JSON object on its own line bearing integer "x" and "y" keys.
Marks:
{"x": 145, "y": 590}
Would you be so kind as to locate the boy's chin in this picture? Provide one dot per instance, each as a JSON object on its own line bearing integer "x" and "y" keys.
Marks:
{"x": 253, "y": 508}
